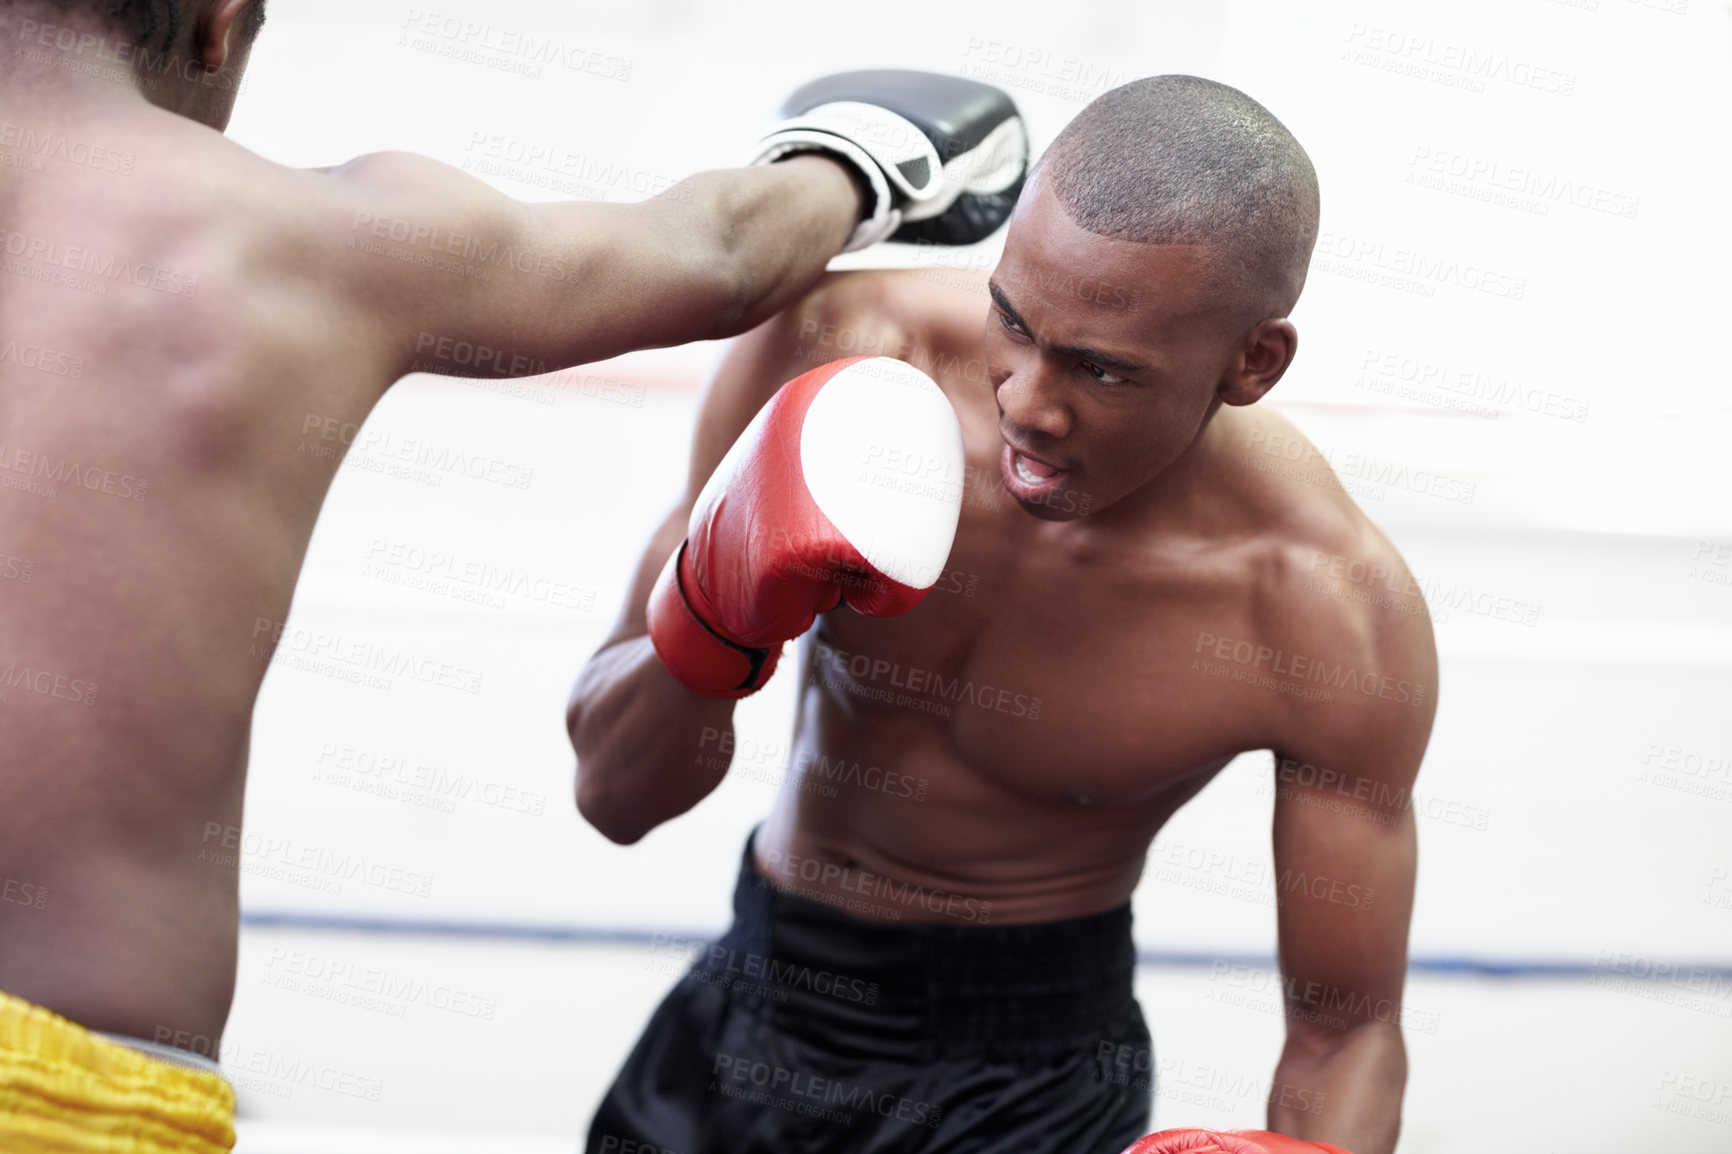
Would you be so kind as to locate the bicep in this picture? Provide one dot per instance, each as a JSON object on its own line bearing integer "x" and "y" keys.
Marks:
{"x": 1344, "y": 837}
{"x": 1346, "y": 854}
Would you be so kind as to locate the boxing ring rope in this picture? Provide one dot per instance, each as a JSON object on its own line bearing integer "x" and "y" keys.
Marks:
{"x": 1441, "y": 964}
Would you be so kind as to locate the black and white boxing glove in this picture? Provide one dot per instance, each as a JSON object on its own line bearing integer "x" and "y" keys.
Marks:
{"x": 944, "y": 157}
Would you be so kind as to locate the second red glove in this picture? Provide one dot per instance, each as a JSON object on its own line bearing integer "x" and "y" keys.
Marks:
{"x": 1228, "y": 1142}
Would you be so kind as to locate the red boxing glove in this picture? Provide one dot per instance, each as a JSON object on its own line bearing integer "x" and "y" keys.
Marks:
{"x": 1228, "y": 1142}
{"x": 847, "y": 486}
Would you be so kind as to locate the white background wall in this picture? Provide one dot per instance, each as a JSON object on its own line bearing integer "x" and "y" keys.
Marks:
{"x": 1577, "y": 796}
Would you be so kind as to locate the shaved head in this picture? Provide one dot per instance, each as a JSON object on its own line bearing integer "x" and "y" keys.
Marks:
{"x": 1181, "y": 160}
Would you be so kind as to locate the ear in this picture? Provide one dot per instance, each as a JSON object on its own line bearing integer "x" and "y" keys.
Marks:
{"x": 1260, "y": 362}
{"x": 219, "y": 23}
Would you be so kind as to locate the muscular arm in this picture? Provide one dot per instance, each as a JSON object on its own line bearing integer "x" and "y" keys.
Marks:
{"x": 1345, "y": 859}
{"x": 430, "y": 254}
{"x": 640, "y": 736}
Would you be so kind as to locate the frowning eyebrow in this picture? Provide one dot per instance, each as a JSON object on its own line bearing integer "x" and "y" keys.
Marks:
{"x": 1093, "y": 356}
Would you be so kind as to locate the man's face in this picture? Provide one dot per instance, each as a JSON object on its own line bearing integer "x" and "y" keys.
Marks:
{"x": 1105, "y": 356}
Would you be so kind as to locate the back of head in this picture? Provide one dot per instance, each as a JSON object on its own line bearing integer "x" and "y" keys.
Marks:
{"x": 185, "y": 56}
{"x": 155, "y": 23}
{"x": 1182, "y": 160}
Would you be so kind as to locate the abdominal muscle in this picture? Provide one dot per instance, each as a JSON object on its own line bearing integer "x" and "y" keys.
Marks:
{"x": 930, "y": 839}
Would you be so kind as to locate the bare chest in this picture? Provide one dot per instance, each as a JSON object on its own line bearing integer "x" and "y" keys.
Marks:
{"x": 1054, "y": 674}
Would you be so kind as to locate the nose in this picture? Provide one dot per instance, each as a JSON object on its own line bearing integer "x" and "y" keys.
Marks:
{"x": 1032, "y": 398}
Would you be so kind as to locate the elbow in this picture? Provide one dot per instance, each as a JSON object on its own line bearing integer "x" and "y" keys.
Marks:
{"x": 738, "y": 284}
{"x": 608, "y": 781}
{"x": 597, "y": 801}
{"x": 739, "y": 298}
{"x": 605, "y": 814}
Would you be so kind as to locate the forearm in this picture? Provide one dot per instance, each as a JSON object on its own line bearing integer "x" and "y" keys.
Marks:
{"x": 648, "y": 749}
{"x": 780, "y": 224}
{"x": 710, "y": 258}
{"x": 1343, "y": 1087}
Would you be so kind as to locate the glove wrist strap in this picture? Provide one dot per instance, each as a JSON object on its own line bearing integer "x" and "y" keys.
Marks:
{"x": 690, "y": 648}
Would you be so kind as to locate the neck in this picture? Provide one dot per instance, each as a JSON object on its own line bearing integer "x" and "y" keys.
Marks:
{"x": 67, "y": 61}
{"x": 74, "y": 63}
{"x": 1170, "y": 498}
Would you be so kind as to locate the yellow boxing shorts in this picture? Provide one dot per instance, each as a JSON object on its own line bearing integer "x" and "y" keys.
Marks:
{"x": 63, "y": 1089}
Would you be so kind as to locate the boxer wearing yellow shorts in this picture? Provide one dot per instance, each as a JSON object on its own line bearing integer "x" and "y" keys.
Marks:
{"x": 189, "y": 336}
{"x": 64, "y": 1088}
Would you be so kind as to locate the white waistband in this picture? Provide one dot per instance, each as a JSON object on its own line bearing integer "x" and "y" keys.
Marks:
{"x": 163, "y": 1053}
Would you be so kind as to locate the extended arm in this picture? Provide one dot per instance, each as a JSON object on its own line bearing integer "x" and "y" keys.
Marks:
{"x": 428, "y": 254}
{"x": 432, "y": 254}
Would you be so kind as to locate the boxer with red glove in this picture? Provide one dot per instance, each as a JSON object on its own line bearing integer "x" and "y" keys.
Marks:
{"x": 1228, "y": 1142}
{"x": 847, "y": 486}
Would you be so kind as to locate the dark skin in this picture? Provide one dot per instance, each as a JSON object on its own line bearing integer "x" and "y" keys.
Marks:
{"x": 1146, "y": 406}
{"x": 124, "y": 806}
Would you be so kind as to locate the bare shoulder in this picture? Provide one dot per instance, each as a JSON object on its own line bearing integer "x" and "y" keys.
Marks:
{"x": 1331, "y": 593}
{"x": 901, "y": 313}
{"x": 199, "y": 252}
{"x": 252, "y": 228}
{"x": 847, "y": 307}
{"x": 352, "y": 253}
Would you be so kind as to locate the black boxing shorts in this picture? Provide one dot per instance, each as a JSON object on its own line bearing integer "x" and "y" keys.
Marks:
{"x": 807, "y": 1029}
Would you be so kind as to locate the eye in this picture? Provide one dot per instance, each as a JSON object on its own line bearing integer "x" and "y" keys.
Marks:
{"x": 1005, "y": 323}
{"x": 1100, "y": 375}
